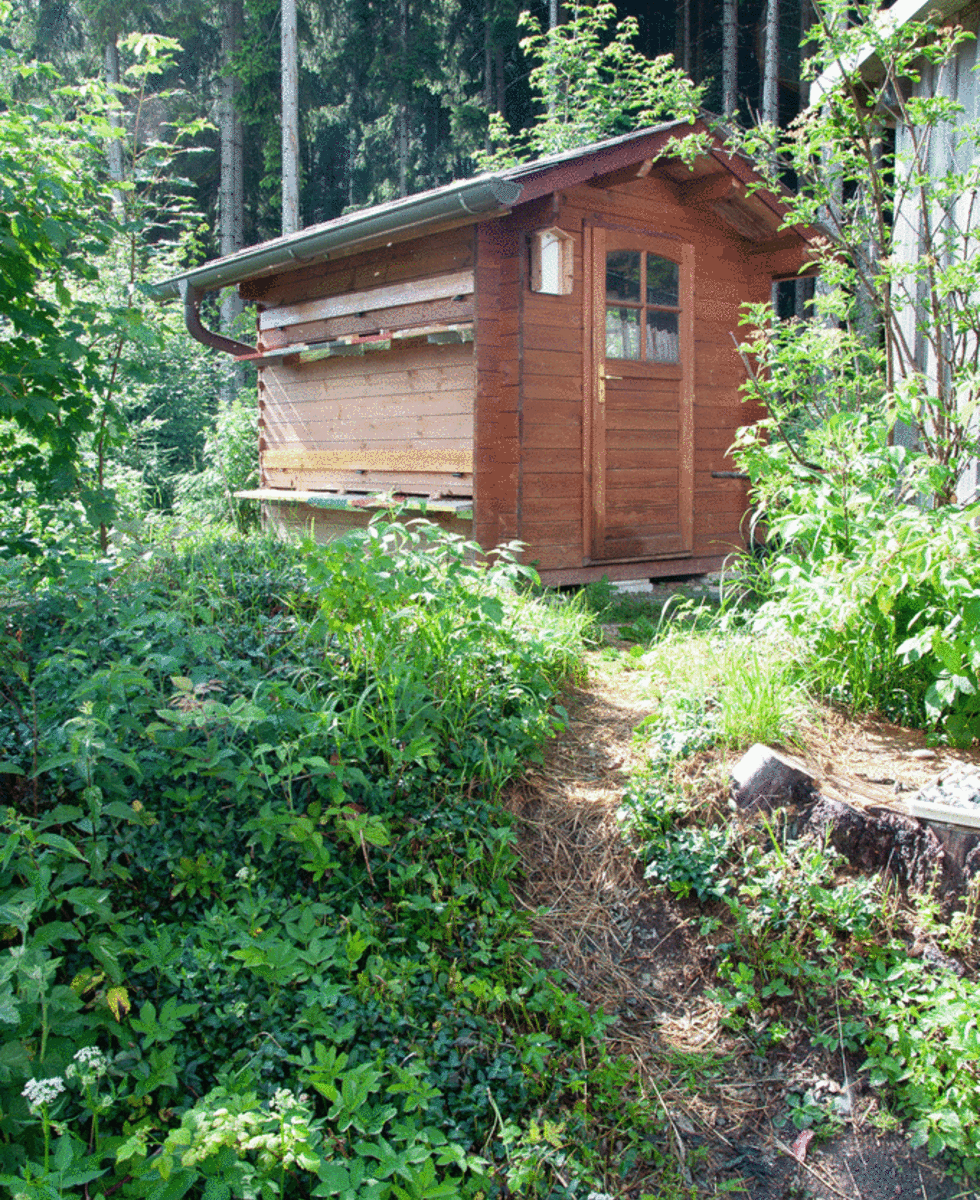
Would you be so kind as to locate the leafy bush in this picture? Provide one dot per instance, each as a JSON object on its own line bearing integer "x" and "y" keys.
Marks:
{"x": 258, "y": 934}
{"x": 882, "y": 593}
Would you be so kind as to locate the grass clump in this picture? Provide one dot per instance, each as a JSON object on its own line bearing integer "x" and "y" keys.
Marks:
{"x": 258, "y": 935}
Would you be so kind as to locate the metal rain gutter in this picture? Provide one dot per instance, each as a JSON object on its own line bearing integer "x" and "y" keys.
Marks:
{"x": 486, "y": 196}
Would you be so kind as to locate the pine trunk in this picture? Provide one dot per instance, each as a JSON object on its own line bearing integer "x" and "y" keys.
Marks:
{"x": 403, "y": 99}
{"x": 114, "y": 151}
{"x": 729, "y": 57}
{"x": 770, "y": 78}
{"x": 231, "y": 201}
{"x": 290, "y": 119}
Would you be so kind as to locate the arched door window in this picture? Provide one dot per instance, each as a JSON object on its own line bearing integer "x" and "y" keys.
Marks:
{"x": 642, "y": 307}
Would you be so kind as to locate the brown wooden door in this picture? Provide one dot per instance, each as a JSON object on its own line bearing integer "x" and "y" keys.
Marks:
{"x": 641, "y": 444}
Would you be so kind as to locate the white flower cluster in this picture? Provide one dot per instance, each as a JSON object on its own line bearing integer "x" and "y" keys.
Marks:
{"x": 283, "y": 1100}
{"x": 40, "y": 1092}
{"x": 88, "y": 1066}
{"x": 246, "y": 875}
{"x": 287, "y": 1143}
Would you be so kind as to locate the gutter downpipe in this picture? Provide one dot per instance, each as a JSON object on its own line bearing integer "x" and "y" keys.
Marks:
{"x": 192, "y": 319}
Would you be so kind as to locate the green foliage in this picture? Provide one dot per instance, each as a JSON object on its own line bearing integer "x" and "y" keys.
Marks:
{"x": 880, "y": 593}
{"x": 80, "y": 373}
{"x": 871, "y": 406}
{"x": 53, "y": 230}
{"x": 251, "y": 864}
{"x": 589, "y": 83}
{"x": 716, "y": 688}
{"x": 230, "y": 463}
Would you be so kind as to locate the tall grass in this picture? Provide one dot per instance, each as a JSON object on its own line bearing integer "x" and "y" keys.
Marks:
{"x": 747, "y": 690}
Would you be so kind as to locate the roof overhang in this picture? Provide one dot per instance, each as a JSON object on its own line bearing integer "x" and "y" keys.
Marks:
{"x": 866, "y": 61}
{"x": 474, "y": 199}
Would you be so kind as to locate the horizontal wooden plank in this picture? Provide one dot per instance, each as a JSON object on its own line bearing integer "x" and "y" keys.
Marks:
{"x": 648, "y": 429}
{"x": 551, "y": 437}
{"x": 620, "y": 461}
{"x": 640, "y": 511}
{"x": 718, "y": 525}
{"x": 411, "y": 482}
{"x": 415, "y": 458}
{"x": 377, "y": 394}
{"x": 548, "y": 509}
{"x": 553, "y": 533}
{"x": 643, "y": 522}
{"x": 665, "y": 542}
{"x": 402, "y": 356}
{"x": 280, "y": 410}
{"x": 566, "y": 338}
{"x": 548, "y": 460}
{"x": 498, "y": 426}
{"x": 437, "y": 288}
{"x": 552, "y": 362}
{"x": 559, "y": 557}
{"x": 404, "y": 316}
{"x": 567, "y": 485}
{"x": 565, "y": 413}
{"x": 546, "y": 387}
{"x": 326, "y": 433}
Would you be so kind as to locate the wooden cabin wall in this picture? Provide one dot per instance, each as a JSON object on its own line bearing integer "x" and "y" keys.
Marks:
{"x": 554, "y": 394}
{"x": 397, "y": 418}
{"x": 407, "y": 411}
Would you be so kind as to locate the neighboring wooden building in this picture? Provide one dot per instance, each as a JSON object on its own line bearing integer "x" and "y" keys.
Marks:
{"x": 932, "y": 349}
{"x": 545, "y": 354}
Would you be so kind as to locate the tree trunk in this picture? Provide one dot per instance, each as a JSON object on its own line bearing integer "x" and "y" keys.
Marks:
{"x": 487, "y": 66}
{"x": 770, "y": 77}
{"x": 403, "y": 99}
{"x": 231, "y": 201}
{"x": 729, "y": 57}
{"x": 290, "y": 119}
{"x": 683, "y": 40}
{"x": 114, "y": 151}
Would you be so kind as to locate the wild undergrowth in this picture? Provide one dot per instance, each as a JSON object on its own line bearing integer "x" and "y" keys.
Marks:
{"x": 806, "y": 949}
{"x": 258, "y": 936}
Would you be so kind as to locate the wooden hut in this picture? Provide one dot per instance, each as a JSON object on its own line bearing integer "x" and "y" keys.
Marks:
{"x": 543, "y": 354}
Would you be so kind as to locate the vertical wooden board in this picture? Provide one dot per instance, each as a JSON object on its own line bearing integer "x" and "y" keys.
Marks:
{"x": 496, "y": 423}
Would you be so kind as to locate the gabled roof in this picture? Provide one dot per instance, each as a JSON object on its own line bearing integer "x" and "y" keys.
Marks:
{"x": 465, "y": 201}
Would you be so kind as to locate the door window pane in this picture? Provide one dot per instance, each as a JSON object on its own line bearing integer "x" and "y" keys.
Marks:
{"x": 623, "y": 275}
{"x": 662, "y": 281}
{"x": 663, "y": 343}
{"x": 622, "y": 333}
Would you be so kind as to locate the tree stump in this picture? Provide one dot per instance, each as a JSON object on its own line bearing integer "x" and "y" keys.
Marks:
{"x": 764, "y": 780}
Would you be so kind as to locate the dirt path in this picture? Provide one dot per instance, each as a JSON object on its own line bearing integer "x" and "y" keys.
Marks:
{"x": 635, "y": 951}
